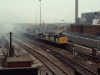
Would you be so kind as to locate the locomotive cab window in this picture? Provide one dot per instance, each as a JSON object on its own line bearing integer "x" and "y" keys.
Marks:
{"x": 42, "y": 36}
{"x": 55, "y": 38}
{"x": 49, "y": 37}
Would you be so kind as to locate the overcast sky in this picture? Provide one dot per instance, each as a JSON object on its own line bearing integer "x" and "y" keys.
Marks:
{"x": 52, "y": 11}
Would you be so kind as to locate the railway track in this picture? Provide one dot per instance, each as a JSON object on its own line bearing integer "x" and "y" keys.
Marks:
{"x": 49, "y": 64}
{"x": 85, "y": 55}
{"x": 66, "y": 60}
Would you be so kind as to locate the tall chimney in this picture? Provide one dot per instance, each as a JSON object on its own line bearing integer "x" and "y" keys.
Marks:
{"x": 76, "y": 11}
{"x": 95, "y": 15}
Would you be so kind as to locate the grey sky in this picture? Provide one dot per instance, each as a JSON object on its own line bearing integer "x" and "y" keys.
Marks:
{"x": 53, "y": 11}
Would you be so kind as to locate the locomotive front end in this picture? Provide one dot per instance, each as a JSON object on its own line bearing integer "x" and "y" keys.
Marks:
{"x": 63, "y": 40}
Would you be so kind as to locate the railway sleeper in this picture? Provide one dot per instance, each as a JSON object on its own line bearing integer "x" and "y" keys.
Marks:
{"x": 49, "y": 73}
{"x": 77, "y": 72}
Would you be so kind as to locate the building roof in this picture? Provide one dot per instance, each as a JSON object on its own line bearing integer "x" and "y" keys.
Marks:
{"x": 19, "y": 59}
{"x": 19, "y": 68}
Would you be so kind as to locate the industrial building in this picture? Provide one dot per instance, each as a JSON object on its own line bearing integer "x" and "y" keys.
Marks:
{"x": 87, "y": 18}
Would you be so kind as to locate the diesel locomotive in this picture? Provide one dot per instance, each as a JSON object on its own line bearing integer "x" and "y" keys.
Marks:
{"x": 59, "y": 39}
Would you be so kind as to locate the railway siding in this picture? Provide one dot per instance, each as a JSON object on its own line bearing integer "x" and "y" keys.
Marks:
{"x": 88, "y": 63}
{"x": 55, "y": 70}
{"x": 83, "y": 41}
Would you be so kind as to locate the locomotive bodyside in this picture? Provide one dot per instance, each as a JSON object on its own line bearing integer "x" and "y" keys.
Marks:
{"x": 56, "y": 39}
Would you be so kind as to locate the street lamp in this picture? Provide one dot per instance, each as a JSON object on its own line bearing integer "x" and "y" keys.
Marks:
{"x": 36, "y": 18}
{"x": 64, "y": 25}
{"x": 20, "y": 18}
{"x": 40, "y": 12}
{"x": 63, "y": 20}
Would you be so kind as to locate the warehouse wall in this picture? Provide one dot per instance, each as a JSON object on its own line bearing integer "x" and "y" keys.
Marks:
{"x": 88, "y": 29}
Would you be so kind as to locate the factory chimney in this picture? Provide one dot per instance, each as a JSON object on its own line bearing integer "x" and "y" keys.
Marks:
{"x": 95, "y": 15}
{"x": 76, "y": 11}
